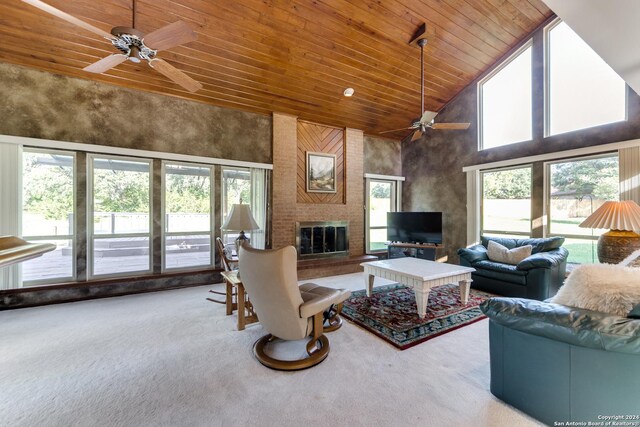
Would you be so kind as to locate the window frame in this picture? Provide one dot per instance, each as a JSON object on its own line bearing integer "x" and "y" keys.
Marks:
{"x": 91, "y": 236}
{"x": 547, "y": 194}
{"x": 547, "y": 86}
{"x": 481, "y": 203}
{"x": 396, "y": 198}
{"x": 163, "y": 215}
{"x": 71, "y": 237}
{"x": 480, "y": 93}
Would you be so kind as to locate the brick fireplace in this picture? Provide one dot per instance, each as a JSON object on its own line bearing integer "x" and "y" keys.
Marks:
{"x": 319, "y": 239}
{"x": 291, "y": 204}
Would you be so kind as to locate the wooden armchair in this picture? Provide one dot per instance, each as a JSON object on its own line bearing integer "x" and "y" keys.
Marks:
{"x": 229, "y": 264}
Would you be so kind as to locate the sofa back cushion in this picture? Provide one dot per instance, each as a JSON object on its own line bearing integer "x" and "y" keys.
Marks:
{"x": 499, "y": 253}
{"x": 537, "y": 245}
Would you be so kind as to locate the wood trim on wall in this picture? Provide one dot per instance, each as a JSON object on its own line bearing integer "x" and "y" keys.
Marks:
{"x": 313, "y": 137}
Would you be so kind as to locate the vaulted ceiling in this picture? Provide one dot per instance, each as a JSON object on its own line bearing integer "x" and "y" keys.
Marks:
{"x": 291, "y": 56}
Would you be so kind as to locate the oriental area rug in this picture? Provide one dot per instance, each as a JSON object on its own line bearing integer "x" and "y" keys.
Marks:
{"x": 391, "y": 313}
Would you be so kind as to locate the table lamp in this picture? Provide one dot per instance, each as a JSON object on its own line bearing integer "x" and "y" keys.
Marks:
{"x": 240, "y": 219}
{"x": 621, "y": 218}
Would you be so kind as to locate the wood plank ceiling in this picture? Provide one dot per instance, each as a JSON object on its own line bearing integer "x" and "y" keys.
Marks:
{"x": 291, "y": 56}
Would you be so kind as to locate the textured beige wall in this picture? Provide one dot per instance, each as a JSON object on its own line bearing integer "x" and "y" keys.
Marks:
{"x": 38, "y": 104}
{"x": 382, "y": 156}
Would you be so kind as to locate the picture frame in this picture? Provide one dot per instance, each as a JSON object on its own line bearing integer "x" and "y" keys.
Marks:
{"x": 321, "y": 172}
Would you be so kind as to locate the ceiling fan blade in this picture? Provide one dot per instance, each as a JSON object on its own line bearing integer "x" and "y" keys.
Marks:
{"x": 396, "y": 130}
{"x": 417, "y": 134}
{"x": 451, "y": 126}
{"x": 170, "y": 36}
{"x": 428, "y": 116}
{"x": 176, "y": 75}
{"x": 69, "y": 18}
{"x": 106, "y": 64}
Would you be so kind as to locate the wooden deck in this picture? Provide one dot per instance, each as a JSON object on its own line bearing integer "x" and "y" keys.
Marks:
{"x": 57, "y": 265}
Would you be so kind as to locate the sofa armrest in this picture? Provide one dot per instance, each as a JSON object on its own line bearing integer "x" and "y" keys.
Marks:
{"x": 547, "y": 259}
{"x": 473, "y": 254}
{"x": 576, "y": 326}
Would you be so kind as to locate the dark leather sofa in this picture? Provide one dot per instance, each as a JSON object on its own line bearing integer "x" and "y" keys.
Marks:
{"x": 538, "y": 276}
{"x": 561, "y": 364}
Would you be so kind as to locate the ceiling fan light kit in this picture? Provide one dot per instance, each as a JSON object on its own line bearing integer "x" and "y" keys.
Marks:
{"x": 130, "y": 42}
{"x": 134, "y": 45}
{"x": 420, "y": 125}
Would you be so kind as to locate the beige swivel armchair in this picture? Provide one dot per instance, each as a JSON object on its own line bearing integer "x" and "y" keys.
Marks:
{"x": 288, "y": 311}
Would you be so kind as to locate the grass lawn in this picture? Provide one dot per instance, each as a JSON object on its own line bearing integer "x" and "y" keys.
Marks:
{"x": 513, "y": 215}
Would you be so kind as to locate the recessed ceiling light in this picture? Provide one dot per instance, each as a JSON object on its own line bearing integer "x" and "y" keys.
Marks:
{"x": 349, "y": 91}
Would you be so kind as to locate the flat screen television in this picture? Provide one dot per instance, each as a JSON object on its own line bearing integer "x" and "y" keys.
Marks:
{"x": 414, "y": 227}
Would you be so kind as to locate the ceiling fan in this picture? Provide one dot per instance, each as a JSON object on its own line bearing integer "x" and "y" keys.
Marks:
{"x": 134, "y": 45}
{"x": 426, "y": 121}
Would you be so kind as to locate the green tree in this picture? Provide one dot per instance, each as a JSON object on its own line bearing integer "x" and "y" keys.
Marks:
{"x": 121, "y": 191}
{"x": 188, "y": 193}
{"x": 381, "y": 191}
{"x": 597, "y": 178}
{"x": 48, "y": 189}
{"x": 507, "y": 184}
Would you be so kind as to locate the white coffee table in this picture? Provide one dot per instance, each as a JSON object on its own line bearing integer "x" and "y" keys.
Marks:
{"x": 420, "y": 275}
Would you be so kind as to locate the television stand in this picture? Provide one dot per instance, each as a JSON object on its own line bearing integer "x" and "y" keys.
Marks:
{"x": 416, "y": 250}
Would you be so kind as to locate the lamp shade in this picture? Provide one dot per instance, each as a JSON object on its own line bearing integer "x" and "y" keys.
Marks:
{"x": 615, "y": 216}
{"x": 240, "y": 219}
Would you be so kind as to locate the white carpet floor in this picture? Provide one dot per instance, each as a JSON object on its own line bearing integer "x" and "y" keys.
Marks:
{"x": 172, "y": 358}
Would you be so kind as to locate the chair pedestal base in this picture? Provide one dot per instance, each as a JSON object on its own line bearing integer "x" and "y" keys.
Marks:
{"x": 333, "y": 320}
{"x": 318, "y": 353}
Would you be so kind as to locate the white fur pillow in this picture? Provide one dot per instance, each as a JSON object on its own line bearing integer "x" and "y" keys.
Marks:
{"x": 608, "y": 288}
{"x": 498, "y": 253}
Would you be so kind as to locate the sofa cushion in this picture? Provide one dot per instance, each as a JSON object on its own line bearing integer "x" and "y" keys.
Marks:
{"x": 601, "y": 287}
{"x": 542, "y": 245}
{"x": 507, "y": 243}
{"x": 500, "y": 271}
{"x": 538, "y": 245}
{"x": 499, "y": 253}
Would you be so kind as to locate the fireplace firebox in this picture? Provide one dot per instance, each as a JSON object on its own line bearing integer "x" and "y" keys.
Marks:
{"x": 317, "y": 239}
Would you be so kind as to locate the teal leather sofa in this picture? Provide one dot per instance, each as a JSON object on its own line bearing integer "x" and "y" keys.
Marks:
{"x": 538, "y": 276}
{"x": 559, "y": 364}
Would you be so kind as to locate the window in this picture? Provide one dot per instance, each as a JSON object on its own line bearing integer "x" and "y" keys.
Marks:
{"x": 120, "y": 215}
{"x": 48, "y": 213}
{"x": 575, "y": 189}
{"x": 506, "y": 202}
{"x": 382, "y": 197}
{"x": 236, "y": 188}
{"x": 187, "y": 216}
{"x": 505, "y": 102}
{"x": 582, "y": 90}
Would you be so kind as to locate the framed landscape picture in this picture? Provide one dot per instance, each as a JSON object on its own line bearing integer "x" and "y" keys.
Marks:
{"x": 321, "y": 172}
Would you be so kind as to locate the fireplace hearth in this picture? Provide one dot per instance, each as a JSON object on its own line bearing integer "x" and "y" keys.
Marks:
{"x": 318, "y": 239}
